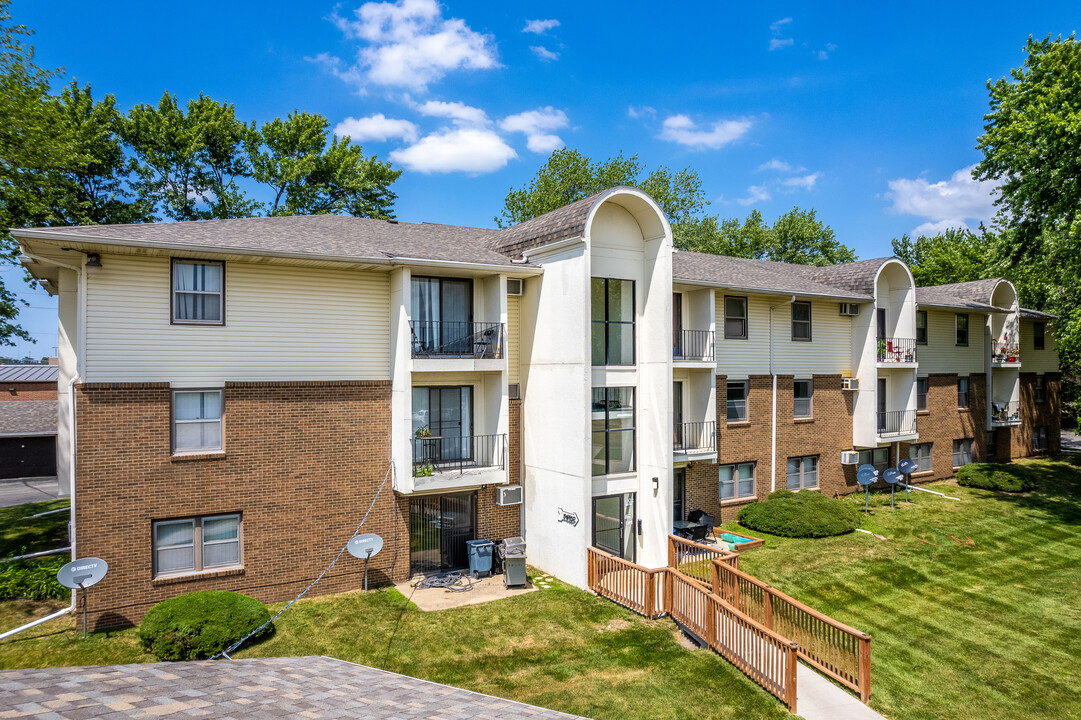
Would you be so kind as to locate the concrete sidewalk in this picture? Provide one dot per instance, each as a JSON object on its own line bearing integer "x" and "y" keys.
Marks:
{"x": 819, "y": 699}
{"x": 19, "y": 491}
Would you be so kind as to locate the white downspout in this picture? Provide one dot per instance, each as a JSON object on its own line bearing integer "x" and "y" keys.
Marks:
{"x": 773, "y": 373}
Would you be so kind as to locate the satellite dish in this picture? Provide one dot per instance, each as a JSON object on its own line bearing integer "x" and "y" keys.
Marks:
{"x": 907, "y": 466}
{"x": 866, "y": 474}
{"x": 365, "y": 546}
{"x": 82, "y": 573}
{"x": 891, "y": 476}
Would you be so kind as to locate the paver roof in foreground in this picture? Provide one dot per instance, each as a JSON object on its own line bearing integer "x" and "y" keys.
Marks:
{"x": 291, "y": 687}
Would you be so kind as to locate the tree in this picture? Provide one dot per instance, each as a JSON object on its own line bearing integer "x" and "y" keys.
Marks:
{"x": 800, "y": 237}
{"x": 291, "y": 157}
{"x": 953, "y": 256}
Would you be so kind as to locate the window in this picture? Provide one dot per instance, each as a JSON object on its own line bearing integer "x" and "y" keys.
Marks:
{"x": 801, "y": 321}
{"x": 802, "y": 472}
{"x": 612, "y": 306}
{"x": 921, "y": 327}
{"x": 802, "y": 390}
{"x": 613, "y": 430}
{"x": 990, "y": 448}
{"x": 921, "y": 453}
{"x": 879, "y": 457}
{"x": 198, "y": 292}
{"x": 443, "y": 428}
{"x": 1040, "y": 439}
{"x": 735, "y": 318}
{"x": 737, "y": 481}
{"x": 961, "y": 329}
{"x": 921, "y": 393}
{"x": 962, "y": 393}
{"x": 962, "y": 452}
{"x": 196, "y": 544}
{"x": 1041, "y": 389}
{"x": 1038, "y": 336}
{"x": 736, "y": 404}
{"x": 441, "y": 312}
{"x": 196, "y": 420}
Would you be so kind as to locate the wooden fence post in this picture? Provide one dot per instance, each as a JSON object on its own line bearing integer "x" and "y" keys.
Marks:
{"x": 790, "y": 678}
{"x": 767, "y": 608}
{"x": 717, "y": 577}
{"x": 647, "y": 595}
{"x": 671, "y": 551}
{"x": 864, "y": 678}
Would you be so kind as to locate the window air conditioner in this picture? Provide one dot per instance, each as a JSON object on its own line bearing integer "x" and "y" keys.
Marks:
{"x": 514, "y": 391}
{"x": 508, "y": 495}
{"x": 850, "y": 457}
{"x": 850, "y": 308}
{"x": 514, "y": 286}
{"x": 850, "y": 384}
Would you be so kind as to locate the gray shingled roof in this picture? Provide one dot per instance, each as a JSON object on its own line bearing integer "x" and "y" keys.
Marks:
{"x": 745, "y": 274}
{"x": 856, "y": 276}
{"x": 1036, "y": 314}
{"x": 941, "y": 296}
{"x": 566, "y": 222}
{"x": 20, "y": 418}
{"x": 977, "y": 290}
{"x": 348, "y": 239}
{"x": 29, "y": 373}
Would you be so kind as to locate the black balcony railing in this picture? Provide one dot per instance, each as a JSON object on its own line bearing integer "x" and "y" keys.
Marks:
{"x": 693, "y": 345}
{"x": 896, "y": 350}
{"x": 1005, "y": 413}
{"x": 695, "y": 437}
{"x": 433, "y": 455}
{"x": 1005, "y": 353}
{"x": 450, "y": 339}
{"x": 897, "y": 422}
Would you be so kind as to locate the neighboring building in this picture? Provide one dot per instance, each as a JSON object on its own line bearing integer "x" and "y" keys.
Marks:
{"x": 28, "y": 420}
{"x": 243, "y": 387}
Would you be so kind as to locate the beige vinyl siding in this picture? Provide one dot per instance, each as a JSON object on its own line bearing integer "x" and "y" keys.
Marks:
{"x": 1038, "y": 361}
{"x": 514, "y": 337}
{"x": 829, "y": 351}
{"x": 281, "y": 323}
{"x": 942, "y": 355}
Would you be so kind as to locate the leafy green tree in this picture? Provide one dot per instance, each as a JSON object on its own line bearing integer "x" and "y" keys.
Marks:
{"x": 953, "y": 256}
{"x": 308, "y": 177}
{"x": 800, "y": 237}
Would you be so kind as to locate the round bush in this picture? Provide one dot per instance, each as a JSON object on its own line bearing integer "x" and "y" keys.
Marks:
{"x": 805, "y": 514}
{"x": 996, "y": 476}
{"x": 200, "y": 624}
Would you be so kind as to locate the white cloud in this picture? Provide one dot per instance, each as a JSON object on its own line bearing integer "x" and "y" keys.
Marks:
{"x": 755, "y": 193}
{"x": 780, "y": 166}
{"x": 538, "y": 27}
{"x": 930, "y": 229}
{"x": 459, "y": 113}
{"x": 468, "y": 150}
{"x": 409, "y": 44}
{"x": 544, "y": 53}
{"x": 537, "y": 126}
{"x": 681, "y": 129}
{"x": 778, "y": 43}
{"x": 376, "y": 127}
{"x": 954, "y": 200}
{"x": 641, "y": 111}
{"x": 825, "y": 54}
{"x": 334, "y": 66}
{"x": 776, "y": 26}
{"x": 806, "y": 182}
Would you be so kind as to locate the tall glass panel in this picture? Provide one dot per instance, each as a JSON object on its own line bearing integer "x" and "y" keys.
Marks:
{"x": 597, "y": 305}
{"x": 607, "y": 524}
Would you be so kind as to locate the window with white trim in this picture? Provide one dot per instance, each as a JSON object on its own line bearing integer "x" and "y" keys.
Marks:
{"x": 802, "y": 472}
{"x": 921, "y": 327}
{"x": 960, "y": 326}
{"x": 197, "y": 420}
{"x": 737, "y": 481}
{"x": 962, "y": 452}
{"x": 1041, "y": 389}
{"x": 736, "y": 401}
{"x": 1040, "y": 440}
{"x": 801, "y": 321}
{"x": 990, "y": 446}
{"x": 803, "y": 393}
{"x": 1038, "y": 336}
{"x": 962, "y": 393}
{"x": 922, "y": 383}
{"x": 196, "y": 544}
{"x": 735, "y": 318}
{"x": 921, "y": 453}
{"x": 198, "y": 292}
{"x": 879, "y": 457}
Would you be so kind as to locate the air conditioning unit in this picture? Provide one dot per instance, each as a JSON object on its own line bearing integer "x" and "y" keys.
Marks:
{"x": 514, "y": 286}
{"x": 850, "y": 457}
{"x": 514, "y": 391}
{"x": 508, "y": 495}
{"x": 850, "y": 383}
{"x": 850, "y": 309}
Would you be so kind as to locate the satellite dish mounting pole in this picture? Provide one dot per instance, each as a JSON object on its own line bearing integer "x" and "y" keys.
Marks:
{"x": 82, "y": 590}
{"x": 366, "y": 559}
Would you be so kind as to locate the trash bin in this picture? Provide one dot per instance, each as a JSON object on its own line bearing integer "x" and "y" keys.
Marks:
{"x": 480, "y": 556}
{"x": 513, "y": 551}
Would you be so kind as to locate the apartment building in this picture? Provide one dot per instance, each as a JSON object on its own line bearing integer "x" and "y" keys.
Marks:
{"x": 235, "y": 393}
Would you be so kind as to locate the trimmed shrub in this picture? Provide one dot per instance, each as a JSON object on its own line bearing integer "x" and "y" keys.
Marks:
{"x": 996, "y": 476}
{"x": 805, "y": 514}
{"x": 33, "y": 579}
{"x": 200, "y": 624}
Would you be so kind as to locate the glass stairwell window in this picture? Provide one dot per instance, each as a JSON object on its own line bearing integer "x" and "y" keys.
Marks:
{"x": 612, "y": 311}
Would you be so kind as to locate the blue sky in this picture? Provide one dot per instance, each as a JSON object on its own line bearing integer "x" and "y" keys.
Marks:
{"x": 867, "y": 112}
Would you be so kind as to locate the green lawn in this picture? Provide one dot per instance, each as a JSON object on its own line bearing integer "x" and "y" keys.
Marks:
{"x": 20, "y": 534}
{"x": 974, "y": 607}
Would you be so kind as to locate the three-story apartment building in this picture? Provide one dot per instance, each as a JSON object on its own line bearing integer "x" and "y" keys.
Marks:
{"x": 235, "y": 394}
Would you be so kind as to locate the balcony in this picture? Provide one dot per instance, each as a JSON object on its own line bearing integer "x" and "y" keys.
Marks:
{"x": 450, "y": 339}
{"x": 1005, "y": 414}
{"x": 693, "y": 346}
{"x": 433, "y": 456}
{"x": 695, "y": 440}
{"x": 896, "y": 423}
{"x": 1005, "y": 355}
{"x": 896, "y": 351}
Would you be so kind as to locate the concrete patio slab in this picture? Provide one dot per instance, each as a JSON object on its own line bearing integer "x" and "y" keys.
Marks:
{"x": 484, "y": 590}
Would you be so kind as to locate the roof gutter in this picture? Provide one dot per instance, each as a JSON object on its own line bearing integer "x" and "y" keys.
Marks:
{"x": 770, "y": 291}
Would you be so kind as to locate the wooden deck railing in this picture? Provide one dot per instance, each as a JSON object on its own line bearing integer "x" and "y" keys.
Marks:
{"x": 696, "y": 560}
{"x": 632, "y": 586}
{"x": 835, "y": 649}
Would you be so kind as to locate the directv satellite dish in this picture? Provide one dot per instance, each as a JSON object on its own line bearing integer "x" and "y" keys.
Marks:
{"x": 891, "y": 476}
{"x": 907, "y": 466}
{"x": 82, "y": 573}
{"x": 365, "y": 546}
{"x": 866, "y": 474}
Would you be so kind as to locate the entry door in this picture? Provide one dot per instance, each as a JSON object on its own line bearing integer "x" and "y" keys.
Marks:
{"x": 439, "y": 526}
{"x": 881, "y": 323}
{"x": 447, "y": 414}
{"x": 882, "y": 405}
{"x": 679, "y": 491}
{"x": 614, "y": 525}
{"x": 677, "y": 414}
{"x": 677, "y": 323}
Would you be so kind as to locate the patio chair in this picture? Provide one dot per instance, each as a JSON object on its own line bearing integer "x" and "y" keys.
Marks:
{"x": 697, "y": 533}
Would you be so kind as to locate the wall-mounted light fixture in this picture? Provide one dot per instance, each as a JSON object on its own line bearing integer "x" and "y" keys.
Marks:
{"x": 656, "y": 483}
{"x": 93, "y": 263}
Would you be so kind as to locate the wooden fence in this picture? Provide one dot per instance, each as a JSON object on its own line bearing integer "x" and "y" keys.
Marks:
{"x": 696, "y": 560}
{"x": 835, "y": 649}
{"x": 632, "y": 586}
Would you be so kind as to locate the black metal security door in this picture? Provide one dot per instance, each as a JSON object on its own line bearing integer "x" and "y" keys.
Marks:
{"x": 439, "y": 526}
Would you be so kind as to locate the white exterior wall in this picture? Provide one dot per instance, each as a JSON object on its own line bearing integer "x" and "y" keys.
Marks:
{"x": 67, "y": 355}
{"x": 281, "y": 323}
{"x": 942, "y": 355}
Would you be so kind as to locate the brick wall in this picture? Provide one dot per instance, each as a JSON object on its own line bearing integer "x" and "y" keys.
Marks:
{"x": 943, "y": 422}
{"x": 302, "y": 462}
{"x": 1017, "y": 442}
{"x": 28, "y": 391}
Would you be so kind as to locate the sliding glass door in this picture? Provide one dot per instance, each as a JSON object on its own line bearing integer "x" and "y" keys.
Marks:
{"x": 443, "y": 423}
{"x": 442, "y": 315}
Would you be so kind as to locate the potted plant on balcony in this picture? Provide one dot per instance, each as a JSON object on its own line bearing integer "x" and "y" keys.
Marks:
{"x": 424, "y": 469}
{"x": 881, "y": 350}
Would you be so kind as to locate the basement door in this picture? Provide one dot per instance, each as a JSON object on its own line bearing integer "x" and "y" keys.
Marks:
{"x": 439, "y": 526}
